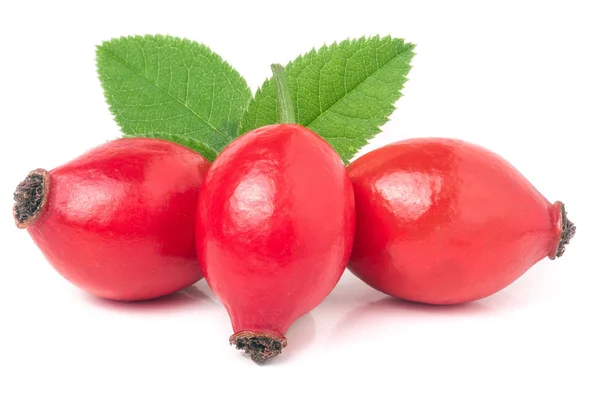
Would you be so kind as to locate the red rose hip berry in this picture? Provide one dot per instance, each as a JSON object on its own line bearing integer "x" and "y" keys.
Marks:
{"x": 442, "y": 221}
{"x": 275, "y": 229}
{"x": 118, "y": 221}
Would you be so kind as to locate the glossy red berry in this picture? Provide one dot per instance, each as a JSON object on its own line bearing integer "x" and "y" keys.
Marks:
{"x": 442, "y": 221}
{"x": 118, "y": 221}
{"x": 275, "y": 229}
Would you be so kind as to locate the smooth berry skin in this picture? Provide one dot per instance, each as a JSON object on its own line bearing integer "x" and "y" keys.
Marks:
{"x": 275, "y": 226}
{"x": 442, "y": 221}
{"x": 119, "y": 220}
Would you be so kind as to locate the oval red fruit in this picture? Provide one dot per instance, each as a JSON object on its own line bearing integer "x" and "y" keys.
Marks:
{"x": 442, "y": 221}
{"x": 275, "y": 229}
{"x": 118, "y": 221}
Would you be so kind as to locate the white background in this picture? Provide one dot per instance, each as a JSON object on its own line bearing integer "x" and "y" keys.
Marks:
{"x": 519, "y": 77}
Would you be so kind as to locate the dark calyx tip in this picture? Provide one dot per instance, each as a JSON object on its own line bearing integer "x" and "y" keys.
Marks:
{"x": 30, "y": 197}
{"x": 259, "y": 346}
{"x": 567, "y": 232}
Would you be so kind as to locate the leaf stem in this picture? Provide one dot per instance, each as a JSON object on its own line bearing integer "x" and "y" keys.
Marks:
{"x": 284, "y": 97}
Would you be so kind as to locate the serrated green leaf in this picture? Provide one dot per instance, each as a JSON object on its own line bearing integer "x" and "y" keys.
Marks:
{"x": 171, "y": 88}
{"x": 343, "y": 92}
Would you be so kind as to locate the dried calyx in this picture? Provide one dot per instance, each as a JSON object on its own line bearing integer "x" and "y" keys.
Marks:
{"x": 567, "y": 232}
{"x": 30, "y": 197}
{"x": 259, "y": 346}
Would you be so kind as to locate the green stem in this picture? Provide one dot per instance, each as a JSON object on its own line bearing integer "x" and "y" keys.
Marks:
{"x": 284, "y": 97}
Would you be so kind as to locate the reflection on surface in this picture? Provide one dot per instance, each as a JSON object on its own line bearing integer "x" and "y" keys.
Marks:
{"x": 364, "y": 310}
{"x": 377, "y": 312}
{"x": 300, "y": 335}
{"x": 190, "y": 297}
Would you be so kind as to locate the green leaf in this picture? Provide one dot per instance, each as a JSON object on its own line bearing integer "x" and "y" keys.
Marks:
{"x": 343, "y": 92}
{"x": 174, "y": 89}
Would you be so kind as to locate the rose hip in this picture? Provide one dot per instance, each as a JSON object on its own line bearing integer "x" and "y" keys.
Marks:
{"x": 442, "y": 221}
{"x": 118, "y": 221}
{"x": 275, "y": 229}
